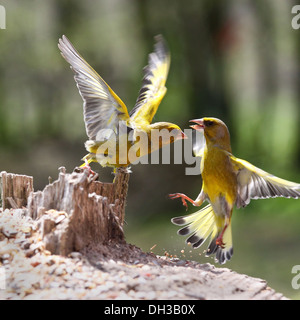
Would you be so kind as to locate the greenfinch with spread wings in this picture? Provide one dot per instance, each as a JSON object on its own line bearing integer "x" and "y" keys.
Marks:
{"x": 226, "y": 182}
{"x": 118, "y": 138}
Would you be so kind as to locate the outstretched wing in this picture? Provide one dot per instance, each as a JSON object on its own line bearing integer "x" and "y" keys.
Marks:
{"x": 153, "y": 87}
{"x": 102, "y": 108}
{"x": 254, "y": 183}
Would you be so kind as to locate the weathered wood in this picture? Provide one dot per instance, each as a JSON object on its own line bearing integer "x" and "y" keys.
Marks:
{"x": 75, "y": 212}
{"x": 14, "y": 190}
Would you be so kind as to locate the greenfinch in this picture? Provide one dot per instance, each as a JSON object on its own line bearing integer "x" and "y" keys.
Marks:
{"x": 108, "y": 124}
{"x": 226, "y": 182}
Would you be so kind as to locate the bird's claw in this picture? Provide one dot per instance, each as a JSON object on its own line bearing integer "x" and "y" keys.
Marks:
{"x": 220, "y": 243}
{"x": 173, "y": 196}
{"x": 86, "y": 166}
{"x": 91, "y": 172}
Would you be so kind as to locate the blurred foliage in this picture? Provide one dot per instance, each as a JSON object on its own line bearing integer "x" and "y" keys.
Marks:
{"x": 237, "y": 60}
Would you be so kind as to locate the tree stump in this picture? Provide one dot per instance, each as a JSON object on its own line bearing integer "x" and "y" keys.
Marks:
{"x": 14, "y": 190}
{"x": 75, "y": 212}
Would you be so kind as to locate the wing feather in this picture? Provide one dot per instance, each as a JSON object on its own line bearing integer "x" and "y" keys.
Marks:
{"x": 254, "y": 183}
{"x": 153, "y": 86}
{"x": 102, "y": 108}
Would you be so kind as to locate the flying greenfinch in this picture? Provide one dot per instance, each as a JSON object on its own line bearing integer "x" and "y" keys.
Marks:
{"x": 108, "y": 124}
{"x": 226, "y": 182}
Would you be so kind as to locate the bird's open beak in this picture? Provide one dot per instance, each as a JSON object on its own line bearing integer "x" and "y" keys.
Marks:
{"x": 199, "y": 124}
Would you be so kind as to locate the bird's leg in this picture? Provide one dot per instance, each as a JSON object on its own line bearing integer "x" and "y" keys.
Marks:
{"x": 183, "y": 198}
{"x": 199, "y": 200}
{"x": 87, "y": 166}
{"x": 219, "y": 240}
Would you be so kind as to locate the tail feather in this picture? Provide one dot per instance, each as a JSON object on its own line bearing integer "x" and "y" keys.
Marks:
{"x": 205, "y": 224}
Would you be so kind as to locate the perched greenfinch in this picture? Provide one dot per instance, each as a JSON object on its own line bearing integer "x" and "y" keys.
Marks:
{"x": 108, "y": 124}
{"x": 226, "y": 182}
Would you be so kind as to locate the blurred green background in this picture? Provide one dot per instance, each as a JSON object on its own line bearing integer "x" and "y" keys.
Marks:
{"x": 237, "y": 60}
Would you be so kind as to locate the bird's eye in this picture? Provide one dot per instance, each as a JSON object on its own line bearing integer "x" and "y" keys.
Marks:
{"x": 208, "y": 123}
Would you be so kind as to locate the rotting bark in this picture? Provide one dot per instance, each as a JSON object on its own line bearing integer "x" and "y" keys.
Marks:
{"x": 14, "y": 190}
